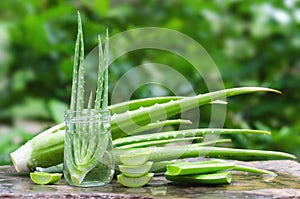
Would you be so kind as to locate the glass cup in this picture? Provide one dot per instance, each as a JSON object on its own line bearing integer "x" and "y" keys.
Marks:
{"x": 88, "y": 155}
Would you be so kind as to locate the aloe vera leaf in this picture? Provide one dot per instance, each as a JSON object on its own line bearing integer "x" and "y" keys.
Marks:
{"x": 213, "y": 161}
{"x": 162, "y": 166}
{"x": 76, "y": 64}
{"x": 236, "y": 168}
{"x": 89, "y": 106}
{"x": 77, "y": 96}
{"x": 146, "y": 102}
{"x": 205, "y": 179}
{"x": 81, "y": 169}
{"x": 99, "y": 90}
{"x": 75, "y": 163}
{"x": 171, "y": 153}
{"x": 85, "y": 137}
{"x": 127, "y": 121}
{"x": 136, "y": 104}
{"x": 81, "y": 69}
{"x": 24, "y": 162}
{"x": 189, "y": 169}
{"x": 207, "y": 143}
{"x": 252, "y": 170}
{"x": 182, "y": 133}
{"x": 159, "y": 124}
{"x": 70, "y": 162}
{"x": 85, "y": 167}
{"x": 47, "y": 150}
{"x": 158, "y": 142}
{"x": 105, "y": 73}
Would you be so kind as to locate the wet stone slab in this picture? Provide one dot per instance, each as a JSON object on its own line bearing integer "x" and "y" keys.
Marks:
{"x": 244, "y": 185}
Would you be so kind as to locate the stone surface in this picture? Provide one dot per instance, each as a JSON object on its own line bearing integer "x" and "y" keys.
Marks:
{"x": 244, "y": 185}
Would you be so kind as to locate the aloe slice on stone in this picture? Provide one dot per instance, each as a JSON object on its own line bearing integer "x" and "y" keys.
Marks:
{"x": 135, "y": 171}
{"x": 188, "y": 169}
{"x": 134, "y": 182}
{"x": 44, "y": 178}
{"x": 135, "y": 159}
{"x": 205, "y": 179}
{"x": 160, "y": 167}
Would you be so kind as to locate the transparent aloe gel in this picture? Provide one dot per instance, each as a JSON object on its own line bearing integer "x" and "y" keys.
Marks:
{"x": 88, "y": 155}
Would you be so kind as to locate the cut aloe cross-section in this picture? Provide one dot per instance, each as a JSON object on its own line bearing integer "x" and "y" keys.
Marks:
{"x": 135, "y": 159}
{"x": 134, "y": 182}
{"x": 43, "y": 178}
{"x": 135, "y": 171}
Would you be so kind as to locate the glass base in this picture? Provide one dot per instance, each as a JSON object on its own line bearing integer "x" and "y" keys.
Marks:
{"x": 99, "y": 176}
{"x": 90, "y": 184}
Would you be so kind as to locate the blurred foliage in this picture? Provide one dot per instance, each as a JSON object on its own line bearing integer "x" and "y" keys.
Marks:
{"x": 254, "y": 43}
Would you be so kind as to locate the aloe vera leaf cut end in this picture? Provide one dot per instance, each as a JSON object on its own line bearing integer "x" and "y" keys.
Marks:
{"x": 44, "y": 178}
{"x": 135, "y": 159}
{"x": 134, "y": 182}
{"x": 136, "y": 171}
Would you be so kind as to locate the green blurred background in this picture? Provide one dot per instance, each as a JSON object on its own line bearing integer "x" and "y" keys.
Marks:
{"x": 253, "y": 43}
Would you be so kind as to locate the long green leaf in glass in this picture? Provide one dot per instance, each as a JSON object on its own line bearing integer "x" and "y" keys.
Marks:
{"x": 99, "y": 91}
{"x": 105, "y": 72}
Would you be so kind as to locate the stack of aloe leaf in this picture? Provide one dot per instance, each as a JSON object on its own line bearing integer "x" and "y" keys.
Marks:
{"x": 135, "y": 169}
{"x": 139, "y": 116}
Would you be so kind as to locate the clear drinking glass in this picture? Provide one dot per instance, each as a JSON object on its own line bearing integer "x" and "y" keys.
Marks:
{"x": 88, "y": 158}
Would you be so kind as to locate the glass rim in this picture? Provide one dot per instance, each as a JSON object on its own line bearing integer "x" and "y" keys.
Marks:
{"x": 87, "y": 110}
{"x": 85, "y": 116}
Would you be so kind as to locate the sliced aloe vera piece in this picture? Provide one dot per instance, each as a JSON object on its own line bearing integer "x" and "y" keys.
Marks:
{"x": 135, "y": 171}
{"x": 194, "y": 168}
{"x": 134, "y": 182}
{"x": 159, "y": 167}
{"x": 135, "y": 159}
{"x": 207, "y": 179}
{"x": 43, "y": 178}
